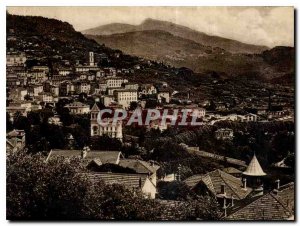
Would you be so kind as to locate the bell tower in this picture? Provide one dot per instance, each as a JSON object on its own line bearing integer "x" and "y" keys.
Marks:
{"x": 91, "y": 59}
{"x": 93, "y": 120}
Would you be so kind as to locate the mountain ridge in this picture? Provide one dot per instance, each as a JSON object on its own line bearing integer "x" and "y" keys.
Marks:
{"x": 230, "y": 45}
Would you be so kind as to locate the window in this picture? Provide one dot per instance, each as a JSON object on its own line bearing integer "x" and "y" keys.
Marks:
{"x": 95, "y": 130}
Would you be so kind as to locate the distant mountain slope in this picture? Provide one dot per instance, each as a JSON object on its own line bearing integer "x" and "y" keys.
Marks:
{"x": 154, "y": 44}
{"x": 110, "y": 29}
{"x": 51, "y": 40}
{"x": 179, "y": 52}
{"x": 229, "y": 45}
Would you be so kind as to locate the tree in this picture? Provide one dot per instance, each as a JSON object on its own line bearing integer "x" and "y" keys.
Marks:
{"x": 57, "y": 190}
{"x": 174, "y": 190}
{"x": 105, "y": 143}
{"x": 133, "y": 105}
{"x": 9, "y": 125}
{"x": 39, "y": 190}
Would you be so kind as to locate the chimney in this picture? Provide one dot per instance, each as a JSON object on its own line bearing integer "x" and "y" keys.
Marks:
{"x": 224, "y": 202}
{"x": 179, "y": 171}
{"x": 224, "y": 207}
{"x": 277, "y": 184}
{"x": 225, "y": 212}
{"x": 223, "y": 189}
{"x": 244, "y": 183}
{"x": 83, "y": 154}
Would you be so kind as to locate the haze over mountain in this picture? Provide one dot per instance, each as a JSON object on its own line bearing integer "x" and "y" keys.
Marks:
{"x": 229, "y": 45}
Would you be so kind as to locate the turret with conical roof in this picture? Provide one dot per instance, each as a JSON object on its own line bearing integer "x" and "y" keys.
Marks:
{"x": 254, "y": 169}
{"x": 253, "y": 174}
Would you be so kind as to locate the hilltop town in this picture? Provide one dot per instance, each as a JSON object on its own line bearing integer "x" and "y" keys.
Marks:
{"x": 236, "y": 164}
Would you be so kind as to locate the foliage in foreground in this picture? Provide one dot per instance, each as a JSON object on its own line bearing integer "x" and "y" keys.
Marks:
{"x": 57, "y": 190}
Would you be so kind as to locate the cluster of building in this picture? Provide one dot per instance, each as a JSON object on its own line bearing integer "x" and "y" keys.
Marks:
{"x": 240, "y": 194}
{"x": 142, "y": 178}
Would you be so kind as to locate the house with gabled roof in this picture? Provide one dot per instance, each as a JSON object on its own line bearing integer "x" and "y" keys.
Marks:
{"x": 15, "y": 140}
{"x": 219, "y": 184}
{"x": 134, "y": 182}
{"x": 275, "y": 205}
{"x": 87, "y": 156}
{"x": 141, "y": 167}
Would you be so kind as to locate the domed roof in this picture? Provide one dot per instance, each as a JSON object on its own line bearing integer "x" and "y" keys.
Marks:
{"x": 254, "y": 168}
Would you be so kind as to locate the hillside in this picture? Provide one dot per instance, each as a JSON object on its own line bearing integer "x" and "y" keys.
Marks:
{"x": 52, "y": 39}
{"x": 147, "y": 44}
{"x": 229, "y": 45}
{"x": 179, "y": 52}
{"x": 110, "y": 29}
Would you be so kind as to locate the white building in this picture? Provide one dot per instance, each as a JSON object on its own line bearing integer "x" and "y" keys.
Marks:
{"x": 64, "y": 71}
{"x": 247, "y": 118}
{"x": 14, "y": 59}
{"x": 115, "y": 82}
{"x": 41, "y": 68}
{"x": 224, "y": 134}
{"x": 199, "y": 112}
{"x": 46, "y": 97}
{"x": 125, "y": 96}
{"x": 132, "y": 86}
{"x": 82, "y": 87}
{"x": 86, "y": 68}
{"x": 107, "y": 100}
{"x": 35, "y": 90}
{"x": 113, "y": 130}
{"x": 78, "y": 108}
{"x": 66, "y": 88}
{"x": 148, "y": 89}
{"x": 163, "y": 97}
{"x": 55, "y": 120}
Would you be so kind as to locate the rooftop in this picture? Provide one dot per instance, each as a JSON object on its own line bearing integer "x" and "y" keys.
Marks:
{"x": 271, "y": 206}
{"x": 128, "y": 180}
{"x": 213, "y": 181}
{"x": 77, "y": 104}
{"x": 254, "y": 168}
{"x": 139, "y": 166}
{"x": 103, "y": 156}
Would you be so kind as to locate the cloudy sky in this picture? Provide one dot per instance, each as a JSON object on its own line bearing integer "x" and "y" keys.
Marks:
{"x": 270, "y": 26}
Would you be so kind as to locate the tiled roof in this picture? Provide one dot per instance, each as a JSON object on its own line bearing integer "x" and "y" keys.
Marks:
{"x": 254, "y": 168}
{"x": 102, "y": 156}
{"x": 138, "y": 165}
{"x": 95, "y": 108}
{"x": 15, "y": 133}
{"x": 266, "y": 207}
{"x": 193, "y": 180}
{"x": 213, "y": 181}
{"x": 232, "y": 170}
{"x": 77, "y": 104}
{"x": 128, "y": 180}
{"x": 286, "y": 195}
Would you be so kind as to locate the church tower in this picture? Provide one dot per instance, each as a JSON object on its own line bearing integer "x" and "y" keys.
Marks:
{"x": 91, "y": 59}
{"x": 94, "y": 124}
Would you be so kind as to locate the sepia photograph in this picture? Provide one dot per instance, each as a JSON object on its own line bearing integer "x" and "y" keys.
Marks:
{"x": 150, "y": 113}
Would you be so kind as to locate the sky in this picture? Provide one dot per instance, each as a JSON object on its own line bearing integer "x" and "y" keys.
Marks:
{"x": 269, "y": 26}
